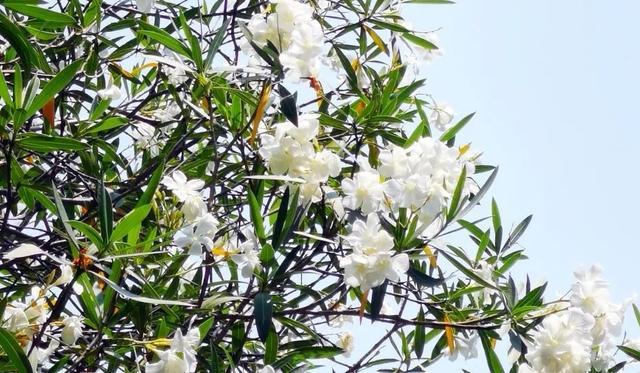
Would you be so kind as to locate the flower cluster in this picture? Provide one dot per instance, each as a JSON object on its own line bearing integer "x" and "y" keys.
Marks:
{"x": 26, "y": 319}
{"x": 421, "y": 178}
{"x": 290, "y": 151}
{"x": 583, "y": 336}
{"x": 372, "y": 260}
{"x": 291, "y": 28}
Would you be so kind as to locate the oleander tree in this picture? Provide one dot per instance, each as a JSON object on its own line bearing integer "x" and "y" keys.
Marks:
{"x": 231, "y": 186}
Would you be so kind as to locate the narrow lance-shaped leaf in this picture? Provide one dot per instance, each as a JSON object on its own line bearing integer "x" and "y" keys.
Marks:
{"x": 14, "y": 352}
{"x": 262, "y": 312}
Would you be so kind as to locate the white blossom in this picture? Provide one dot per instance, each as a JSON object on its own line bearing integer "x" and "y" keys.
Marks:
{"x": 345, "y": 342}
{"x": 180, "y": 357}
{"x": 181, "y": 187}
{"x": 364, "y": 191}
{"x": 72, "y": 330}
{"x": 197, "y": 234}
{"x": 110, "y": 91}
{"x": 371, "y": 261}
{"x": 563, "y": 343}
{"x": 441, "y": 116}
{"x": 145, "y": 6}
{"x": 246, "y": 256}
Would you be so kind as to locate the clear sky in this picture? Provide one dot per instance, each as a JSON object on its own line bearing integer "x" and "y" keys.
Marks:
{"x": 555, "y": 86}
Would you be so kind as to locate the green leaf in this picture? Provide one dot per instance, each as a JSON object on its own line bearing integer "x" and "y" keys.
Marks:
{"x": 262, "y": 312}
{"x": 478, "y": 196}
{"x": 196, "y": 53}
{"x": 419, "y": 336}
{"x": 37, "y": 12}
{"x": 4, "y": 91}
{"x": 423, "y": 279}
{"x": 129, "y": 222}
{"x": 164, "y": 38}
{"x": 55, "y": 85}
{"x": 518, "y": 231}
{"x": 533, "y": 298}
{"x": 107, "y": 124}
{"x": 44, "y": 143}
{"x": 89, "y": 232}
{"x": 421, "y": 42}
{"x": 635, "y": 354}
{"x": 307, "y": 353}
{"x": 105, "y": 211}
{"x": 377, "y": 299}
{"x": 453, "y": 131}
{"x": 205, "y": 327}
{"x": 288, "y": 104}
{"x": 152, "y": 186}
{"x": 29, "y": 56}
{"x": 492, "y": 359}
{"x": 256, "y": 216}
{"x": 636, "y": 312}
{"x": 348, "y": 68}
{"x": 495, "y": 215}
{"x": 457, "y": 193}
{"x": 468, "y": 272}
{"x": 271, "y": 348}
{"x": 14, "y": 352}
{"x": 280, "y": 219}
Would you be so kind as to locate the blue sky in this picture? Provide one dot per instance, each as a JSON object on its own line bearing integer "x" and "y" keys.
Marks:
{"x": 554, "y": 84}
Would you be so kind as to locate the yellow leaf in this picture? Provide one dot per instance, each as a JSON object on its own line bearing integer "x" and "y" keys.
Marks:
{"x": 377, "y": 39}
{"x": 363, "y": 304}
{"x": 463, "y": 149}
{"x": 122, "y": 71}
{"x": 137, "y": 70}
{"x": 259, "y": 113}
{"x": 493, "y": 343}
{"x": 448, "y": 332}
{"x": 359, "y": 106}
{"x": 433, "y": 262}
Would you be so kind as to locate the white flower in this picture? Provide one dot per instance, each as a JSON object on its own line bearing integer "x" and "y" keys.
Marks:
{"x": 146, "y": 138}
{"x": 180, "y": 357}
{"x": 145, "y": 6}
{"x": 465, "y": 346}
{"x": 66, "y": 275}
{"x": 369, "y": 237}
{"x": 247, "y": 254}
{"x": 167, "y": 115}
{"x": 175, "y": 71}
{"x": 293, "y": 31}
{"x": 563, "y": 343}
{"x": 441, "y": 116}
{"x": 393, "y": 162}
{"x": 198, "y": 234}
{"x": 485, "y": 270}
{"x": 364, "y": 191}
{"x": 269, "y": 369}
{"x": 15, "y": 319}
{"x": 181, "y": 187}
{"x": 590, "y": 292}
{"x": 345, "y": 342}
{"x": 372, "y": 261}
{"x": 110, "y": 91}
{"x": 323, "y": 164}
{"x": 193, "y": 207}
{"x": 39, "y": 355}
{"x": 72, "y": 330}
